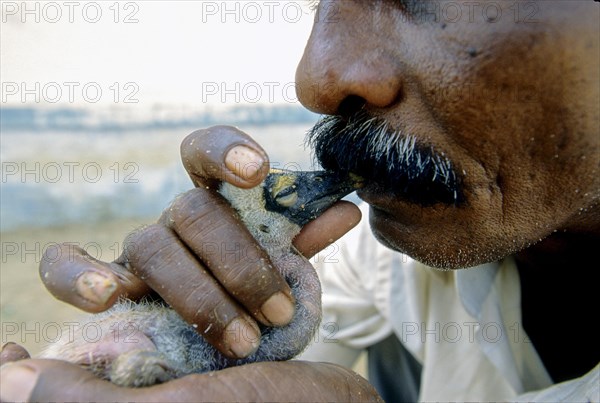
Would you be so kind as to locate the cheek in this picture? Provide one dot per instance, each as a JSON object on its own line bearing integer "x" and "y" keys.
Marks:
{"x": 507, "y": 118}
{"x": 495, "y": 89}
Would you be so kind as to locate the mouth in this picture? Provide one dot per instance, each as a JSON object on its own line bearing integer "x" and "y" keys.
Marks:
{"x": 393, "y": 164}
{"x": 386, "y": 203}
{"x": 377, "y": 191}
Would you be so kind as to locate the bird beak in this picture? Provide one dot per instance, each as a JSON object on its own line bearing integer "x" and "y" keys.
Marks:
{"x": 315, "y": 192}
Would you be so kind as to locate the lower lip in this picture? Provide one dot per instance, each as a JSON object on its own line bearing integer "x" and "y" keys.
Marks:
{"x": 387, "y": 207}
{"x": 376, "y": 196}
{"x": 379, "y": 202}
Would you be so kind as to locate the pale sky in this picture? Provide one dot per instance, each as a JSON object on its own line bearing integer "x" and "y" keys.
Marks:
{"x": 178, "y": 52}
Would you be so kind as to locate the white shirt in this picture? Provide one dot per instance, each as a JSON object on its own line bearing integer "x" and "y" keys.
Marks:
{"x": 463, "y": 326}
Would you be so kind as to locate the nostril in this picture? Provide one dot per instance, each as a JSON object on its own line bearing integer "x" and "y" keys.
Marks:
{"x": 350, "y": 105}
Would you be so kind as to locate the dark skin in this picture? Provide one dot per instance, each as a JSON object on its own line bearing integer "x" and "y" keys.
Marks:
{"x": 329, "y": 382}
{"x": 529, "y": 155}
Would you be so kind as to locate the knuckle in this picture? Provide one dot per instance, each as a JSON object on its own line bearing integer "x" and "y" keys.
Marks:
{"x": 188, "y": 147}
{"x": 210, "y": 306}
{"x": 198, "y": 214}
{"x": 187, "y": 205}
{"x": 252, "y": 279}
{"x": 58, "y": 257}
{"x": 143, "y": 246}
{"x": 195, "y": 158}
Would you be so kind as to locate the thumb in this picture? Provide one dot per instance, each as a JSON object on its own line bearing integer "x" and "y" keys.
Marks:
{"x": 328, "y": 228}
{"x": 50, "y": 380}
{"x": 38, "y": 380}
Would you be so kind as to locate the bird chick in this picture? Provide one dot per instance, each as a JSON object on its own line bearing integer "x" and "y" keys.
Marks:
{"x": 155, "y": 344}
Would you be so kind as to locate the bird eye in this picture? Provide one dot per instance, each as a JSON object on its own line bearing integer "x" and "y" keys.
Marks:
{"x": 287, "y": 197}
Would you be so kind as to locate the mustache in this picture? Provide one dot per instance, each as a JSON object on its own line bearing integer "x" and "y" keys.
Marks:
{"x": 394, "y": 161}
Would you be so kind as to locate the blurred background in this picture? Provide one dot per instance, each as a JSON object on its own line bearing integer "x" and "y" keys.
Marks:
{"x": 97, "y": 97}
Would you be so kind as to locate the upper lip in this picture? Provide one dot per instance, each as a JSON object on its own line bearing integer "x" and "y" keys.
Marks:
{"x": 417, "y": 191}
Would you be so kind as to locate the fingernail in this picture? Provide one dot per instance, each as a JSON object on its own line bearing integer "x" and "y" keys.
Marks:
{"x": 8, "y": 344}
{"x": 242, "y": 337}
{"x": 95, "y": 287}
{"x": 278, "y": 309}
{"x": 12, "y": 352}
{"x": 17, "y": 382}
{"x": 244, "y": 161}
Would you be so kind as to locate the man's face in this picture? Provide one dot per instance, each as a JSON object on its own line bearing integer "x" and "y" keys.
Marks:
{"x": 476, "y": 123}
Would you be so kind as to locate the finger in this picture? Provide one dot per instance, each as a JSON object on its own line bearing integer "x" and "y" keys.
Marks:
{"x": 65, "y": 268}
{"x": 211, "y": 229}
{"x": 50, "y": 380}
{"x": 169, "y": 267}
{"x": 224, "y": 153}
{"x": 328, "y": 228}
{"x": 12, "y": 352}
{"x": 270, "y": 381}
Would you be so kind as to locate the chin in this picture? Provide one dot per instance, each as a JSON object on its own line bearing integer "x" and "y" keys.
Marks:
{"x": 429, "y": 251}
{"x": 443, "y": 237}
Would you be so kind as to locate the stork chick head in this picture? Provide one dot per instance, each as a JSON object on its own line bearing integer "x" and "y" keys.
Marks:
{"x": 275, "y": 210}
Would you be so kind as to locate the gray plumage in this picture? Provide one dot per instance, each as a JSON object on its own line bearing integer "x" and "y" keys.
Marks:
{"x": 155, "y": 344}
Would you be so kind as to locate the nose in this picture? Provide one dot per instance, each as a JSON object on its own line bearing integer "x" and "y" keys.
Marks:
{"x": 345, "y": 65}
